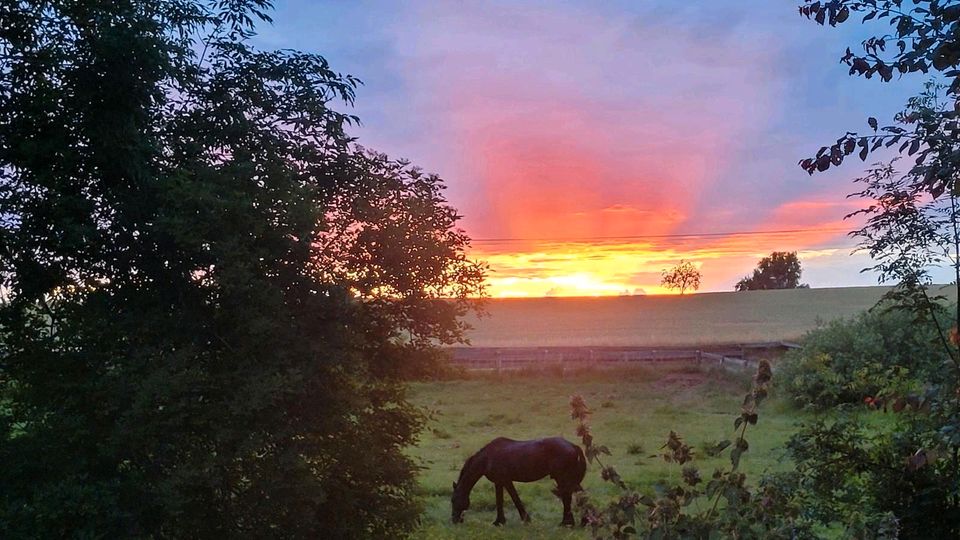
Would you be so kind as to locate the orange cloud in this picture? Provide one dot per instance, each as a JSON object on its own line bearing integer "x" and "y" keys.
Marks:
{"x": 813, "y": 228}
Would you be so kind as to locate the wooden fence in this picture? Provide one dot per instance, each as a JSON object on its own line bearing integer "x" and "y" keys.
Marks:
{"x": 512, "y": 358}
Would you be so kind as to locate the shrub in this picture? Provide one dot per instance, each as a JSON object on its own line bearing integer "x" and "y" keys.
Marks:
{"x": 854, "y": 475}
{"x": 877, "y": 352}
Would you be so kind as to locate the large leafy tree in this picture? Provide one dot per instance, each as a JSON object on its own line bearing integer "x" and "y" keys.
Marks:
{"x": 209, "y": 290}
{"x": 781, "y": 270}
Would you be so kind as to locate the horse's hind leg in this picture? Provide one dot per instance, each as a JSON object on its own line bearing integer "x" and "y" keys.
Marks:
{"x": 566, "y": 497}
{"x": 516, "y": 501}
{"x": 500, "y": 517}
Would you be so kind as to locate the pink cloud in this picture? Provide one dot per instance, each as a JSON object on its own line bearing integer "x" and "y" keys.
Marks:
{"x": 554, "y": 114}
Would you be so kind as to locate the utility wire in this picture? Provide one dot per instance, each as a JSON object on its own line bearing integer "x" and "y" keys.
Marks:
{"x": 656, "y": 236}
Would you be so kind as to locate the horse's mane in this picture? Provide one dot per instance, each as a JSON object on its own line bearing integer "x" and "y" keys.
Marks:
{"x": 466, "y": 465}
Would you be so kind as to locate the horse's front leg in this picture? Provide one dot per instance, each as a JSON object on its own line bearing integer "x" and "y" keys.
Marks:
{"x": 500, "y": 517}
{"x": 516, "y": 501}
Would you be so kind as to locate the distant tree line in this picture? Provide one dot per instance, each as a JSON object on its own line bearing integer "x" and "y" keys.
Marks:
{"x": 781, "y": 270}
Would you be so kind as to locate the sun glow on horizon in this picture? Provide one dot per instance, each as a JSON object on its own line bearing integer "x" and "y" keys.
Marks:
{"x": 619, "y": 268}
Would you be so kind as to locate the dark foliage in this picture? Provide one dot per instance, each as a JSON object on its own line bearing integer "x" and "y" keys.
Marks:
{"x": 876, "y": 354}
{"x": 868, "y": 478}
{"x": 906, "y": 475}
{"x": 924, "y": 39}
{"x": 209, "y": 291}
{"x": 781, "y": 270}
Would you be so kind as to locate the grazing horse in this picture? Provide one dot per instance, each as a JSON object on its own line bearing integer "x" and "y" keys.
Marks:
{"x": 505, "y": 461}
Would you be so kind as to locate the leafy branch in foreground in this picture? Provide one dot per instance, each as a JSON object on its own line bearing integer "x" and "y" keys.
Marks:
{"x": 923, "y": 38}
{"x": 686, "y": 510}
{"x": 912, "y": 225}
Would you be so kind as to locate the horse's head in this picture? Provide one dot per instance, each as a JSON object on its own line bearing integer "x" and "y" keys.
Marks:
{"x": 459, "y": 502}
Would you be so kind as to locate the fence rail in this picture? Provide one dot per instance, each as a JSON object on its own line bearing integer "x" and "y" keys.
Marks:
{"x": 510, "y": 358}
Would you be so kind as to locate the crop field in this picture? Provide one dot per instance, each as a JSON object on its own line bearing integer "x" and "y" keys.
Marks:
{"x": 643, "y": 321}
{"x": 634, "y": 410}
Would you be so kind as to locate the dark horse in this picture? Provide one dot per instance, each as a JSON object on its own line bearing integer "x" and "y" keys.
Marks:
{"x": 505, "y": 461}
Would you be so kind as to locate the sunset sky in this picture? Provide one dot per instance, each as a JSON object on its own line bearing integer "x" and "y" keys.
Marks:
{"x": 590, "y": 146}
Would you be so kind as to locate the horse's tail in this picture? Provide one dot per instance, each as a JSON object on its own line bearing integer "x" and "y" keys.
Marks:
{"x": 581, "y": 468}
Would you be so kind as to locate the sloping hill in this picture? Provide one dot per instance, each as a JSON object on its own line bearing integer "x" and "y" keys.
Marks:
{"x": 643, "y": 321}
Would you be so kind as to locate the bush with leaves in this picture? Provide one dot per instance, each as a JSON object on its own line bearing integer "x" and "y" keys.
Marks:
{"x": 877, "y": 353}
{"x": 868, "y": 478}
{"x": 722, "y": 505}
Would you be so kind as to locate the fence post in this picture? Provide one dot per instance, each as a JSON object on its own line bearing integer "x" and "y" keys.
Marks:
{"x": 699, "y": 357}
{"x": 499, "y": 364}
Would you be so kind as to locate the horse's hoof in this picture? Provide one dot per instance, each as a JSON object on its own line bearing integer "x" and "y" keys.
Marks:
{"x": 498, "y": 523}
{"x": 525, "y": 518}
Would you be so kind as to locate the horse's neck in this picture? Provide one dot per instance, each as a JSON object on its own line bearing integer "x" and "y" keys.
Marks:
{"x": 471, "y": 473}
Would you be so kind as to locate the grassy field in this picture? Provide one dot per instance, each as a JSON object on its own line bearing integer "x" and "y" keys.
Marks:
{"x": 634, "y": 410}
{"x": 697, "y": 319}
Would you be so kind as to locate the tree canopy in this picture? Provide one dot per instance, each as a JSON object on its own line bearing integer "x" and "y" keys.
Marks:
{"x": 781, "y": 270}
{"x": 210, "y": 289}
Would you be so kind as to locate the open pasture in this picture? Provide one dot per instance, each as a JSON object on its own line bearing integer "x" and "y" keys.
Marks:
{"x": 645, "y": 321}
{"x": 634, "y": 410}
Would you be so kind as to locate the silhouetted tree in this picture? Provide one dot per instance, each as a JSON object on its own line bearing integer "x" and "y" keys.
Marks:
{"x": 683, "y": 276}
{"x": 781, "y": 270}
{"x": 208, "y": 290}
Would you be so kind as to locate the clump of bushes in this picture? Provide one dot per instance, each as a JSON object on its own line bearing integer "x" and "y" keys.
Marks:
{"x": 878, "y": 352}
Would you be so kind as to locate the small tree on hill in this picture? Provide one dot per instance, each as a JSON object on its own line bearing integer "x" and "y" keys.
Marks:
{"x": 683, "y": 276}
{"x": 781, "y": 270}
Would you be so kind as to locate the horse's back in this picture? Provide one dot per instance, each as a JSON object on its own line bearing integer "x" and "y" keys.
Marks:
{"x": 531, "y": 460}
{"x": 552, "y": 442}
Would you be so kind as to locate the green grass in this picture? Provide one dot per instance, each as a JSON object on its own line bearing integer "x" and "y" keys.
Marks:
{"x": 707, "y": 319}
{"x": 634, "y": 408}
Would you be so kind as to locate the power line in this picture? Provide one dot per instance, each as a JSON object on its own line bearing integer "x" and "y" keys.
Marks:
{"x": 657, "y": 236}
{"x": 733, "y": 252}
